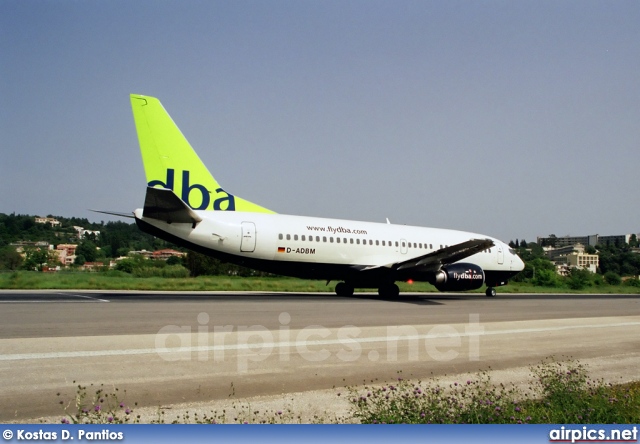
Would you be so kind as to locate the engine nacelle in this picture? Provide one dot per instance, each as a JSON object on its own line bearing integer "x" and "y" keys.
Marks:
{"x": 459, "y": 277}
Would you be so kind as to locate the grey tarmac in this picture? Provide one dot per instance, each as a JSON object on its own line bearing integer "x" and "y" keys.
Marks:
{"x": 171, "y": 349}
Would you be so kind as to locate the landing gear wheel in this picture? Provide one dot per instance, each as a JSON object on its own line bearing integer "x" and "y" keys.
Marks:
{"x": 344, "y": 289}
{"x": 389, "y": 291}
{"x": 491, "y": 292}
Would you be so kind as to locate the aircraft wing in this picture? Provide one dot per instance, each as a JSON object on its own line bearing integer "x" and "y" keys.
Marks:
{"x": 447, "y": 255}
{"x": 164, "y": 204}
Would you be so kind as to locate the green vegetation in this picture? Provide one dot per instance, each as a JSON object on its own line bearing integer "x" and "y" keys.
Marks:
{"x": 559, "y": 392}
{"x": 618, "y": 272}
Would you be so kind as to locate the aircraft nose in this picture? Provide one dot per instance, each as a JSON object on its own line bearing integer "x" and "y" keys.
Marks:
{"x": 517, "y": 264}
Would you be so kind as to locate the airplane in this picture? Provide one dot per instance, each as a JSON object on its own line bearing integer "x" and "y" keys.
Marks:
{"x": 185, "y": 205}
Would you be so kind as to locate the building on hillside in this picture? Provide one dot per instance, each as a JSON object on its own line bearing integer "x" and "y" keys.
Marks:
{"x": 554, "y": 253}
{"x": 144, "y": 253}
{"x": 82, "y": 232}
{"x": 567, "y": 241}
{"x": 167, "y": 253}
{"x": 48, "y": 220}
{"x": 583, "y": 261}
{"x": 66, "y": 253}
{"x": 92, "y": 266}
{"x": 590, "y": 240}
{"x": 617, "y": 240}
{"x": 21, "y": 246}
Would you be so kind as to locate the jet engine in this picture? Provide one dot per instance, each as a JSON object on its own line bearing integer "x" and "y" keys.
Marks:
{"x": 459, "y": 277}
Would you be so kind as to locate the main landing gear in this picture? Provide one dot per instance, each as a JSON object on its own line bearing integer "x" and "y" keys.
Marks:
{"x": 344, "y": 289}
{"x": 491, "y": 292}
{"x": 389, "y": 291}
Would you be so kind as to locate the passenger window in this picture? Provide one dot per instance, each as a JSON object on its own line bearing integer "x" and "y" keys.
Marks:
{"x": 303, "y": 237}
{"x": 358, "y": 241}
{"x": 331, "y": 239}
{"x": 396, "y": 243}
{"x": 295, "y": 237}
{"x": 351, "y": 240}
{"x": 384, "y": 243}
{"x": 414, "y": 245}
{"x": 317, "y": 238}
{"x": 288, "y": 237}
{"x": 337, "y": 239}
{"x": 324, "y": 238}
{"x": 280, "y": 236}
{"x": 345, "y": 240}
{"x": 431, "y": 246}
{"x": 310, "y": 238}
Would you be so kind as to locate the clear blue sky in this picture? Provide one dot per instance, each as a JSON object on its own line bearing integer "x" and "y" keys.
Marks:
{"x": 508, "y": 118}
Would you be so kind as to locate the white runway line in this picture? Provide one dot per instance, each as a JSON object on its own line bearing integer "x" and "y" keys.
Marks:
{"x": 287, "y": 344}
{"x": 48, "y": 301}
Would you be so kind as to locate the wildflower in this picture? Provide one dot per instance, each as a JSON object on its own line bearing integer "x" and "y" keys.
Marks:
{"x": 97, "y": 408}
{"x": 468, "y": 382}
{"x": 110, "y": 419}
{"x": 279, "y": 412}
{"x": 64, "y": 421}
{"x": 122, "y": 405}
{"x": 127, "y": 411}
{"x": 518, "y": 409}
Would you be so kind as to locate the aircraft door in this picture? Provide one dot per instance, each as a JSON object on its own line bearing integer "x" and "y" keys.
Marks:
{"x": 403, "y": 246}
{"x": 248, "y": 241}
{"x": 500, "y": 254}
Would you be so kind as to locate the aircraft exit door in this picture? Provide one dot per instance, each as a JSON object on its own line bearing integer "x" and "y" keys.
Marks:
{"x": 248, "y": 242}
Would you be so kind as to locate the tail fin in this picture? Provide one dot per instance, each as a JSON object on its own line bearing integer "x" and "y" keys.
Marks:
{"x": 170, "y": 162}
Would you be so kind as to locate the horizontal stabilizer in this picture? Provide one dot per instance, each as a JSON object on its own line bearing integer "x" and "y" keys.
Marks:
{"x": 115, "y": 213}
{"x": 164, "y": 204}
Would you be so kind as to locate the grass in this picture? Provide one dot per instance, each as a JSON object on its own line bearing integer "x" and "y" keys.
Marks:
{"x": 560, "y": 392}
{"x": 115, "y": 280}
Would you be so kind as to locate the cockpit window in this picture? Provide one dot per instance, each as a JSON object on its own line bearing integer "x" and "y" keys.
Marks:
{"x": 512, "y": 251}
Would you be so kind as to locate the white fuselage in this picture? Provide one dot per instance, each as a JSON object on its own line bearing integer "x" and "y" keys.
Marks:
{"x": 312, "y": 240}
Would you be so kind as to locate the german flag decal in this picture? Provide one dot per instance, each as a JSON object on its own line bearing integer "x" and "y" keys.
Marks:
{"x": 280, "y": 249}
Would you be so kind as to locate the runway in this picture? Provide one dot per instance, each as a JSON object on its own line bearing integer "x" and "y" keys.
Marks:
{"x": 167, "y": 348}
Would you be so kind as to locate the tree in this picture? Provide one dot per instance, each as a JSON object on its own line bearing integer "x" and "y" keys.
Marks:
{"x": 579, "y": 278}
{"x": 545, "y": 278}
{"x": 36, "y": 258}
{"x": 10, "y": 259}
{"x": 174, "y": 260}
{"x": 87, "y": 249}
{"x": 523, "y": 243}
{"x": 612, "y": 278}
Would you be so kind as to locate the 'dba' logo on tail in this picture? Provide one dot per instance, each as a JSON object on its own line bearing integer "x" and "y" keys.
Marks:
{"x": 221, "y": 201}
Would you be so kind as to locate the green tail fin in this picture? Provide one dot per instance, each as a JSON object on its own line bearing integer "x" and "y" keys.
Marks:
{"x": 170, "y": 162}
